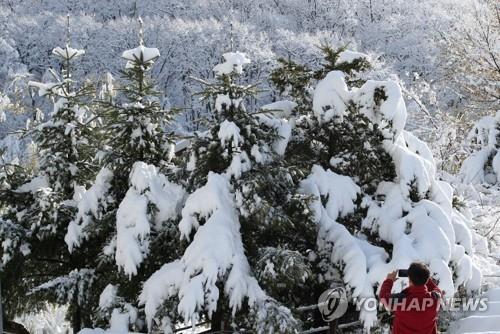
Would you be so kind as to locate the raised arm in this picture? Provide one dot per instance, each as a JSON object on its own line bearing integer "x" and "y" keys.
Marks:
{"x": 385, "y": 289}
{"x": 433, "y": 288}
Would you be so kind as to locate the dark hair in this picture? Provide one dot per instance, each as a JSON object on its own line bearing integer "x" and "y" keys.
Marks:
{"x": 418, "y": 273}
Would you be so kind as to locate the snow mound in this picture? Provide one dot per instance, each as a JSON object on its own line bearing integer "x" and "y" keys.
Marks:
{"x": 280, "y": 109}
{"x": 68, "y": 53}
{"x": 349, "y": 56}
{"x": 108, "y": 296}
{"x": 4, "y": 104}
{"x": 141, "y": 54}
{"x": 473, "y": 168}
{"x": 331, "y": 97}
{"x": 234, "y": 62}
{"x": 34, "y": 185}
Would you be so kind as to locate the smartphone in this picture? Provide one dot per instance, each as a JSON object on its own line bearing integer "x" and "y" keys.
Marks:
{"x": 403, "y": 273}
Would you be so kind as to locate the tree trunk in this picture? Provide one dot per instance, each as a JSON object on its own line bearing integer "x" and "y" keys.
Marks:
{"x": 333, "y": 327}
{"x": 76, "y": 321}
{"x": 216, "y": 323}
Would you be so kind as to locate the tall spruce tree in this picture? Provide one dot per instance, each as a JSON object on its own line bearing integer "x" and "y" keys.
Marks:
{"x": 240, "y": 218}
{"x": 127, "y": 214}
{"x": 38, "y": 205}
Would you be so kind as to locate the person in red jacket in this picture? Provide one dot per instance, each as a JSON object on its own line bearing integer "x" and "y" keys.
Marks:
{"x": 416, "y": 307}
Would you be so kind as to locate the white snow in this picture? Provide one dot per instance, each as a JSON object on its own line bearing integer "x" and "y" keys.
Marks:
{"x": 341, "y": 191}
{"x": 349, "y": 56}
{"x": 283, "y": 127}
{"x": 108, "y": 296}
{"x": 89, "y": 204}
{"x": 119, "y": 321}
{"x": 45, "y": 88}
{"x": 481, "y": 321}
{"x": 133, "y": 219}
{"x": 229, "y": 132}
{"x": 141, "y": 54}
{"x": 239, "y": 165}
{"x": 4, "y": 104}
{"x": 472, "y": 169}
{"x": 334, "y": 238}
{"x": 34, "y": 185}
{"x": 428, "y": 230}
{"x": 163, "y": 284}
{"x": 410, "y": 166}
{"x": 483, "y": 139}
{"x": 390, "y": 112}
{"x": 68, "y": 53}
{"x": 280, "y": 109}
{"x": 331, "y": 96}
{"x": 222, "y": 101}
{"x": 234, "y": 62}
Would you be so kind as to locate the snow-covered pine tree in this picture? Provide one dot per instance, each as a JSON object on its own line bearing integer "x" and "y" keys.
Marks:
{"x": 38, "y": 205}
{"x": 127, "y": 213}
{"x": 378, "y": 202}
{"x": 483, "y": 165}
{"x": 240, "y": 219}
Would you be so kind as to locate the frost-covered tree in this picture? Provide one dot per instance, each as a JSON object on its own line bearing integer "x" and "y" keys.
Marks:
{"x": 378, "y": 203}
{"x": 473, "y": 58}
{"x": 127, "y": 213}
{"x": 483, "y": 165}
{"x": 38, "y": 205}
{"x": 240, "y": 219}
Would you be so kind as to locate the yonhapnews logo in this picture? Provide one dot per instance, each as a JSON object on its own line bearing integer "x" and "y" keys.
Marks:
{"x": 333, "y": 303}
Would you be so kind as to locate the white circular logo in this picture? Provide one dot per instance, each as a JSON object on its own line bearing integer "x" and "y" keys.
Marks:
{"x": 332, "y": 304}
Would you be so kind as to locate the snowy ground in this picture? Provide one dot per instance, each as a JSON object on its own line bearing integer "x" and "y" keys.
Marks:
{"x": 481, "y": 321}
{"x": 485, "y": 208}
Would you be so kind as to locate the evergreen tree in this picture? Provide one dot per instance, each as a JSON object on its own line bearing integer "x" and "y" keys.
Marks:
{"x": 241, "y": 203}
{"x": 38, "y": 205}
{"x": 374, "y": 184}
{"x": 127, "y": 214}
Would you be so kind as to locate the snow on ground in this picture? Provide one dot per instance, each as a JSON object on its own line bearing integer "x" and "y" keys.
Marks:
{"x": 487, "y": 321}
{"x": 484, "y": 203}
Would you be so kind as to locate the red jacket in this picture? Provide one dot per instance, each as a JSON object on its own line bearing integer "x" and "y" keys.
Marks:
{"x": 415, "y": 308}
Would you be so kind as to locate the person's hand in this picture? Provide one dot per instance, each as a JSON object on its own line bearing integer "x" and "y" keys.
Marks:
{"x": 392, "y": 276}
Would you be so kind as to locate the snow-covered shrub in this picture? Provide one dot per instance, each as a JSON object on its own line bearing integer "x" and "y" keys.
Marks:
{"x": 483, "y": 165}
